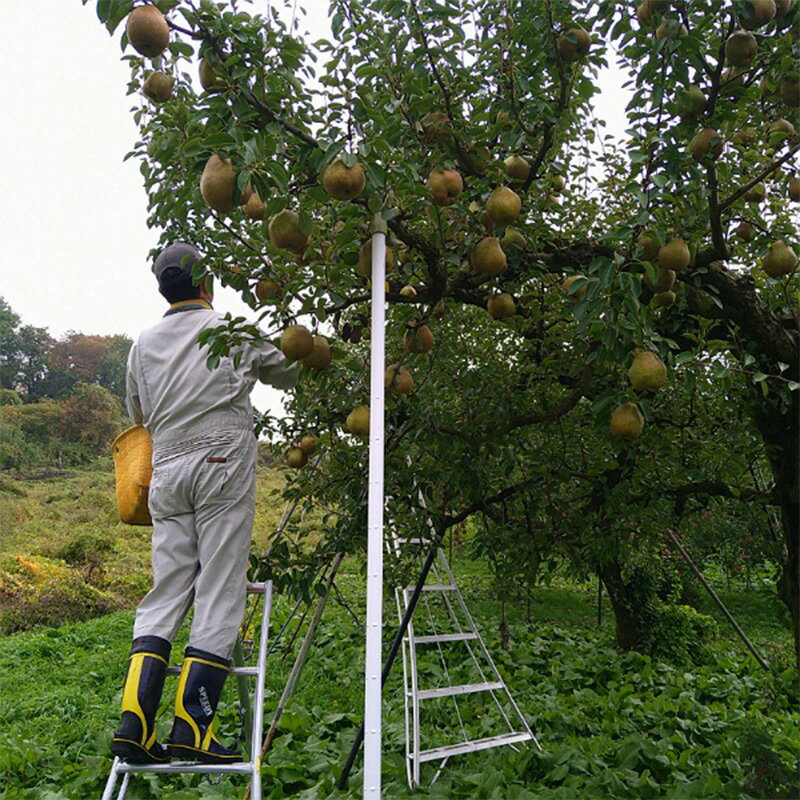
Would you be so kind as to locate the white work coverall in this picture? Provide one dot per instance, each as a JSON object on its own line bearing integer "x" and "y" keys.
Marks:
{"x": 202, "y": 493}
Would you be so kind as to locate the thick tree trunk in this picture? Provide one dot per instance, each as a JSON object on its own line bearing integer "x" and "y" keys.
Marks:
{"x": 780, "y": 430}
{"x": 627, "y": 623}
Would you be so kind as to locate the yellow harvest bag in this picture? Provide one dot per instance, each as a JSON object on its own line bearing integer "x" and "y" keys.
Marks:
{"x": 133, "y": 467}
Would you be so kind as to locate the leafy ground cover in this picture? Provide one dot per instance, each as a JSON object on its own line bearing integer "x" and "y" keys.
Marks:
{"x": 610, "y": 724}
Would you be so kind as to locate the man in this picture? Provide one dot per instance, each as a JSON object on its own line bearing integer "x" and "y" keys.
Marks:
{"x": 202, "y": 502}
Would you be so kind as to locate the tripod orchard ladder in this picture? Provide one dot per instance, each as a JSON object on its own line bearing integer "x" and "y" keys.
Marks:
{"x": 461, "y": 628}
{"x": 253, "y": 737}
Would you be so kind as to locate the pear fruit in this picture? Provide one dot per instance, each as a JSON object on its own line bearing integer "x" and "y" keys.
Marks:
{"x": 501, "y": 306}
{"x": 296, "y": 458}
{"x": 780, "y": 261}
{"x": 647, "y": 371}
{"x": 794, "y": 190}
{"x": 573, "y": 45}
{"x": 408, "y": 291}
{"x": 445, "y": 185}
{"x": 217, "y": 184}
{"x": 297, "y": 342}
{"x": 781, "y": 127}
{"x": 557, "y": 183}
{"x": 745, "y": 136}
{"x": 398, "y": 380}
{"x": 268, "y": 291}
{"x": 342, "y": 182}
{"x": 308, "y": 443}
{"x": 147, "y": 31}
{"x": 254, "y": 208}
{"x": 579, "y": 292}
{"x": 487, "y": 257}
{"x": 284, "y": 231}
{"x": 700, "y": 303}
{"x": 435, "y": 125}
{"x": 756, "y": 194}
{"x": 320, "y": 356}
{"x": 757, "y": 13}
{"x": 158, "y": 87}
{"x": 692, "y": 102}
{"x": 665, "y": 280}
{"x": 517, "y": 168}
{"x": 789, "y": 91}
{"x": 503, "y": 206}
{"x": 358, "y": 421}
{"x": 731, "y": 80}
{"x": 209, "y": 79}
{"x": 667, "y": 29}
{"x": 704, "y": 143}
{"x": 783, "y": 7}
{"x": 650, "y": 246}
{"x": 365, "y": 259}
{"x": 418, "y": 340}
{"x": 664, "y": 299}
{"x": 674, "y": 255}
{"x": 741, "y": 48}
{"x": 745, "y": 231}
{"x": 513, "y": 238}
{"x": 627, "y": 421}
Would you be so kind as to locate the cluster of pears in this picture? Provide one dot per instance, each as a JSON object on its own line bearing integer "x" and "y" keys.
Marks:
{"x": 647, "y": 371}
{"x": 299, "y": 344}
{"x": 487, "y": 257}
{"x": 672, "y": 257}
{"x": 297, "y": 456}
{"x": 148, "y": 32}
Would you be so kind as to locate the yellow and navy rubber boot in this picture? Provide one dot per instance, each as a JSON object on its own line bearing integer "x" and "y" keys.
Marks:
{"x": 135, "y": 739}
{"x": 199, "y": 690}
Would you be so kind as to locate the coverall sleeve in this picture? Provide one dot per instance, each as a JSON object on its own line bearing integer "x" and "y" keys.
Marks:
{"x": 132, "y": 400}
{"x": 272, "y": 367}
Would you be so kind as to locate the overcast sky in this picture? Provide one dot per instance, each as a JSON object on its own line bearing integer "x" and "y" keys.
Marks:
{"x": 73, "y": 217}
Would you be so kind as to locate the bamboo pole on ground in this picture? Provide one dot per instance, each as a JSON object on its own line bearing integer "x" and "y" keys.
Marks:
{"x": 722, "y": 607}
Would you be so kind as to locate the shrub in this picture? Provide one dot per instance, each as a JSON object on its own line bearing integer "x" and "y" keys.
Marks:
{"x": 40, "y": 591}
{"x": 680, "y": 633}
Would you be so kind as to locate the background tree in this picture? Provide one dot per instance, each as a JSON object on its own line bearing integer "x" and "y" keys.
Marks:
{"x": 474, "y": 128}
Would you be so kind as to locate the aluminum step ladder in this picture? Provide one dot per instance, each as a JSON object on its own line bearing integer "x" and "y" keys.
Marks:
{"x": 461, "y": 626}
{"x": 251, "y": 767}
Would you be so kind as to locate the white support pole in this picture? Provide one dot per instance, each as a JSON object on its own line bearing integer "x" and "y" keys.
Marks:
{"x": 373, "y": 654}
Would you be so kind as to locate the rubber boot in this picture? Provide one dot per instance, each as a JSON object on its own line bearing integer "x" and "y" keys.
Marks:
{"x": 135, "y": 739}
{"x": 199, "y": 689}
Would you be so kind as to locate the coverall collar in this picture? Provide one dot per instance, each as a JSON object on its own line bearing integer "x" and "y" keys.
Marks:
{"x": 187, "y": 305}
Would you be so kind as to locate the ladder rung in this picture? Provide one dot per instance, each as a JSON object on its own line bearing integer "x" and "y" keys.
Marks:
{"x": 445, "y": 637}
{"x": 470, "y": 747}
{"x": 252, "y": 671}
{"x": 239, "y": 768}
{"x": 433, "y": 587}
{"x": 413, "y": 540}
{"x": 256, "y": 588}
{"x": 466, "y": 688}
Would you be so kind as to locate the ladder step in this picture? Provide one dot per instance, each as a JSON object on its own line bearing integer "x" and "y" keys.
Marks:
{"x": 445, "y": 637}
{"x": 433, "y": 587}
{"x": 466, "y": 688}
{"x": 250, "y": 671}
{"x": 470, "y": 747}
{"x": 256, "y": 588}
{"x": 413, "y": 540}
{"x": 238, "y": 768}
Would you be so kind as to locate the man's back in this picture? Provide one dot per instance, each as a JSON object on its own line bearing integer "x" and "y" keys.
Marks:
{"x": 174, "y": 394}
